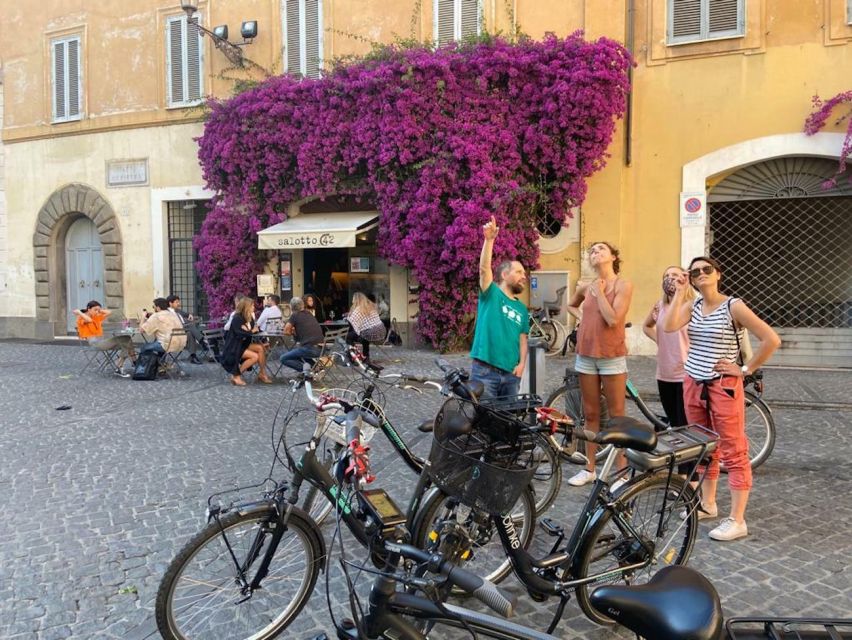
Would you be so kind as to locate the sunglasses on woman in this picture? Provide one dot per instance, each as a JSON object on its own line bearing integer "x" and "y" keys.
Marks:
{"x": 706, "y": 270}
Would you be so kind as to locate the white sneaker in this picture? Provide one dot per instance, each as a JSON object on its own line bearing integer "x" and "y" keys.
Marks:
{"x": 582, "y": 478}
{"x": 729, "y": 529}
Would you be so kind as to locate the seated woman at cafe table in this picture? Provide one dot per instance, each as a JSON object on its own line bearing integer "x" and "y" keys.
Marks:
{"x": 90, "y": 328}
{"x": 365, "y": 324}
{"x": 238, "y": 356}
{"x": 308, "y": 334}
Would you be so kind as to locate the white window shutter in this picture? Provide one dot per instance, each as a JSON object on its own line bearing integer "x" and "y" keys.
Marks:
{"x": 193, "y": 60}
{"x": 685, "y": 19}
{"x": 848, "y": 11}
{"x": 723, "y": 16}
{"x": 470, "y": 18}
{"x": 312, "y": 38}
{"x": 445, "y": 21}
{"x": 59, "y": 110}
{"x": 294, "y": 44}
{"x": 175, "y": 46}
{"x": 73, "y": 78}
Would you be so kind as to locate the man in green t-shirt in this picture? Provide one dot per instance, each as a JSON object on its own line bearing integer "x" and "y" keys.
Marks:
{"x": 499, "y": 349}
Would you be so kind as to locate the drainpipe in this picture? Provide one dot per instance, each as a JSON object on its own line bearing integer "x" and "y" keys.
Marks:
{"x": 628, "y": 116}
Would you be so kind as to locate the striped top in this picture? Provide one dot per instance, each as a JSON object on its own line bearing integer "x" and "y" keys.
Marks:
{"x": 711, "y": 338}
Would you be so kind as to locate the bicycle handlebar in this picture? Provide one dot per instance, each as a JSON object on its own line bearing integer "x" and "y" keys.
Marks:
{"x": 483, "y": 590}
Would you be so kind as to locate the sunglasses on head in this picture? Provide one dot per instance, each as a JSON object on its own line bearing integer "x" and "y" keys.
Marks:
{"x": 706, "y": 270}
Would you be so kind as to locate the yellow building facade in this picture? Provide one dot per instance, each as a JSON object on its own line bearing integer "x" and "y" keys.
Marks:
{"x": 100, "y": 188}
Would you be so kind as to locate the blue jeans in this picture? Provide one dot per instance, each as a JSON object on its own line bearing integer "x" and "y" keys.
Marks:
{"x": 497, "y": 383}
{"x": 296, "y": 358}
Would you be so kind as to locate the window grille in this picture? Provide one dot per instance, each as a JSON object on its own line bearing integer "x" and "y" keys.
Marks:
{"x": 184, "y": 61}
{"x": 185, "y": 218}
{"x": 303, "y": 49}
{"x": 67, "y": 78}
{"x": 696, "y": 20}
{"x": 789, "y": 259}
{"x": 456, "y": 19}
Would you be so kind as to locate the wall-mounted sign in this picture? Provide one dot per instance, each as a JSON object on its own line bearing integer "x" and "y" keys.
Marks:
{"x": 359, "y": 265}
{"x": 265, "y": 284}
{"x": 286, "y": 280}
{"x": 127, "y": 173}
{"x": 693, "y": 209}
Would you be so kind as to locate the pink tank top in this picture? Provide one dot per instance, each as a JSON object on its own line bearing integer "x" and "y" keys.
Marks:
{"x": 595, "y": 338}
{"x": 672, "y": 348}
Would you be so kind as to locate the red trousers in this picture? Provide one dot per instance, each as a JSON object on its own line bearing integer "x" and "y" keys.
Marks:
{"x": 726, "y": 416}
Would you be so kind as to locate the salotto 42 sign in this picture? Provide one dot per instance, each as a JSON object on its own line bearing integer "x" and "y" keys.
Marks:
{"x": 693, "y": 209}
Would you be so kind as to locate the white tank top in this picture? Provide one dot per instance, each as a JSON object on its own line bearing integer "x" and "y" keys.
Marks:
{"x": 711, "y": 338}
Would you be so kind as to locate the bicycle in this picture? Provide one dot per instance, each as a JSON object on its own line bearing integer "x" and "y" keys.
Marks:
{"x": 242, "y": 571}
{"x": 677, "y": 603}
{"x": 760, "y": 424}
{"x": 618, "y": 534}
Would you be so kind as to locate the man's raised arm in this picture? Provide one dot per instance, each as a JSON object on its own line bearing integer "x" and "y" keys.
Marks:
{"x": 489, "y": 231}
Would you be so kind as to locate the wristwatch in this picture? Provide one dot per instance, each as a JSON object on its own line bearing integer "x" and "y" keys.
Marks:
{"x": 745, "y": 370}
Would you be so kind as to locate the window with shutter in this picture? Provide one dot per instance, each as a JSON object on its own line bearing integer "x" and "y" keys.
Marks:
{"x": 696, "y": 20}
{"x": 456, "y": 19}
{"x": 67, "y": 76}
{"x": 303, "y": 49}
{"x": 184, "y": 61}
{"x": 848, "y": 11}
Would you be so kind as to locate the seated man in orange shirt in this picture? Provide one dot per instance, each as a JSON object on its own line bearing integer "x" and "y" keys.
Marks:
{"x": 90, "y": 328}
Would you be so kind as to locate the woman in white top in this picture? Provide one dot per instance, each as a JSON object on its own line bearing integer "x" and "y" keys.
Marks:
{"x": 713, "y": 386}
{"x": 672, "y": 348}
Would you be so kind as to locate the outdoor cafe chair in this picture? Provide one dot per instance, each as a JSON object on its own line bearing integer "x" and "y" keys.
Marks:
{"x": 170, "y": 360}
{"x": 104, "y": 359}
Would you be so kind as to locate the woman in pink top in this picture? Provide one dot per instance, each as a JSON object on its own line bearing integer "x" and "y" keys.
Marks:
{"x": 671, "y": 348}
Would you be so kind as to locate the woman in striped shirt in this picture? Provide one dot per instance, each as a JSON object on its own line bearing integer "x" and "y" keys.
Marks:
{"x": 713, "y": 387}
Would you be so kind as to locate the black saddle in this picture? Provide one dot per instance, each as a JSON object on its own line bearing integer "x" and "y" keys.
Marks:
{"x": 677, "y": 604}
{"x": 625, "y": 432}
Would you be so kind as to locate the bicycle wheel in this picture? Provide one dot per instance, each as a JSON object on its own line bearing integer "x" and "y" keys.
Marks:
{"x": 315, "y": 504}
{"x": 648, "y": 503}
{"x": 550, "y": 333}
{"x": 201, "y": 595}
{"x": 760, "y": 430}
{"x": 547, "y": 479}
{"x": 569, "y": 400}
{"x": 440, "y": 516}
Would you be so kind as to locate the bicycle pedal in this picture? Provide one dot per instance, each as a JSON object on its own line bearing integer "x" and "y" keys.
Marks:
{"x": 551, "y": 528}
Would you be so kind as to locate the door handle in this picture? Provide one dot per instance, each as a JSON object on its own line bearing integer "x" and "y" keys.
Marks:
{"x": 97, "y": 283}
{"x": 82, "y": 283}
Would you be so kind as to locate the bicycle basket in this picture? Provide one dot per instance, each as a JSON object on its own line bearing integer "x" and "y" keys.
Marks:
{"x": 482, "y": 472}
{"x": 328, "y": 427}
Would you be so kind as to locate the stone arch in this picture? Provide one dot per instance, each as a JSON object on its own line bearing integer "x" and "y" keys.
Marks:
{"x": 62, "y": 208}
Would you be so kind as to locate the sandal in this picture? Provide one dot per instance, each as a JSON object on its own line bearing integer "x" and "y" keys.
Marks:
{"x": 238, "y": 382}
{"x": 264, "y": 379}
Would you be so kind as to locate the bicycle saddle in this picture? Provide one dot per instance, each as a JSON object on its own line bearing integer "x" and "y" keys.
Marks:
{"x": 677, "y": 604}
{"x": 623, "y": 431}
{"x": 470, "y": 388}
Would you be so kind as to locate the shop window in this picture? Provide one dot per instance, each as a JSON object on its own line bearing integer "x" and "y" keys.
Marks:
{"x": 185, "y": 219}
{"x": 697, "y": 20}
{"x": 304, "y": 46}
{"x": 67, "y": 75}
{"x": 184, "y": 57}
{"x": 456, "y": 19}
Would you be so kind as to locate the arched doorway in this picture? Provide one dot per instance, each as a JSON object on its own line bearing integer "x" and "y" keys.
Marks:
{"x": 786, "y": 244}
{"x": 84, "y": 267}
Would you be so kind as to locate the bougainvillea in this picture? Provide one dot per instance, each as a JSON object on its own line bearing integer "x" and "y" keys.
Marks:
{"x": 437, "y": 140}
{"x": 822, "y": 110}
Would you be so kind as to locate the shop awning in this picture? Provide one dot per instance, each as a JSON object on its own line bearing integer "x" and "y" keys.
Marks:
{"x": 318, "y": 230}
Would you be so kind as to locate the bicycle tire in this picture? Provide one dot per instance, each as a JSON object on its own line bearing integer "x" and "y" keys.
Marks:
{"x": 570, "y": 401}
{"x": 547, "y": 479}
{"x": 604, "y": 546}
{"x": 482, "y": 563}
{"x": 760, "y": 431}
{"x": 315, "y": 504}
{"x": 168, "y": 607}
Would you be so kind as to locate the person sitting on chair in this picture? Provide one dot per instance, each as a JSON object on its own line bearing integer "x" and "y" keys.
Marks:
{"x": 303, "y": 326}
{"x": 90, "y": 328}
{"x": 365, "y": 324}
{"x": 271, "y": 312}
{"x": 160, "y": 325}
{"x": 194, "y": 338}
{"x": 238, "y": 354}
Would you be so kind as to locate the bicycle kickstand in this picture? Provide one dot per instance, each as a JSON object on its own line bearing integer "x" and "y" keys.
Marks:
{"x": 560, "y": 609}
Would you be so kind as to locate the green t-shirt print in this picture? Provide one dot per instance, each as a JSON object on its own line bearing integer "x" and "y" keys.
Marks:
{"x": 500, "y": 321}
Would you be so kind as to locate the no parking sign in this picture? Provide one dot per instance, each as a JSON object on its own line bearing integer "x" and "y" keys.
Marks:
{"x": 693, "y": 209}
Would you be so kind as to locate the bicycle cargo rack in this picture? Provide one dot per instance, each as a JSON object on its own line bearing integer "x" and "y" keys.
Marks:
{"x": 686, "y": 444}
{"x": 789, "y": 628}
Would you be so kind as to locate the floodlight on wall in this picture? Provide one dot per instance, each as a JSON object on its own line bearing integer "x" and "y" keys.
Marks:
{"x": 219, "y": 35}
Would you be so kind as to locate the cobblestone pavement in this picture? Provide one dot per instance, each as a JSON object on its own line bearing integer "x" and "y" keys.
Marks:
{"x": 99, "y": 497}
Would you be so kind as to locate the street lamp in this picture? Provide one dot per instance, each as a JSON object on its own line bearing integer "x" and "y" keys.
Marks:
{"x": 219, "y": 35}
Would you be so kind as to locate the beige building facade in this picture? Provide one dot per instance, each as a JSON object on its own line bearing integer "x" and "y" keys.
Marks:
{"x": 103, "y": 188}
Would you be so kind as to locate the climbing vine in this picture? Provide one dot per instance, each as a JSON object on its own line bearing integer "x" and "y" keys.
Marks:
{"x": 818, "y": 119}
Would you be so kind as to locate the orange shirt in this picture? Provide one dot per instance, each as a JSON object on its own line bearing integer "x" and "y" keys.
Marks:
{"x": 91, "y": 329}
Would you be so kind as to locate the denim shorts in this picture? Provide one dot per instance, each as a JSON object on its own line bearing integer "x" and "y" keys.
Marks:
{"x": 601, "y": 366}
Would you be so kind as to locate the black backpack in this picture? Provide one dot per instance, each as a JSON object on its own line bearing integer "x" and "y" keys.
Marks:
{"x": 146, "y": 366}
